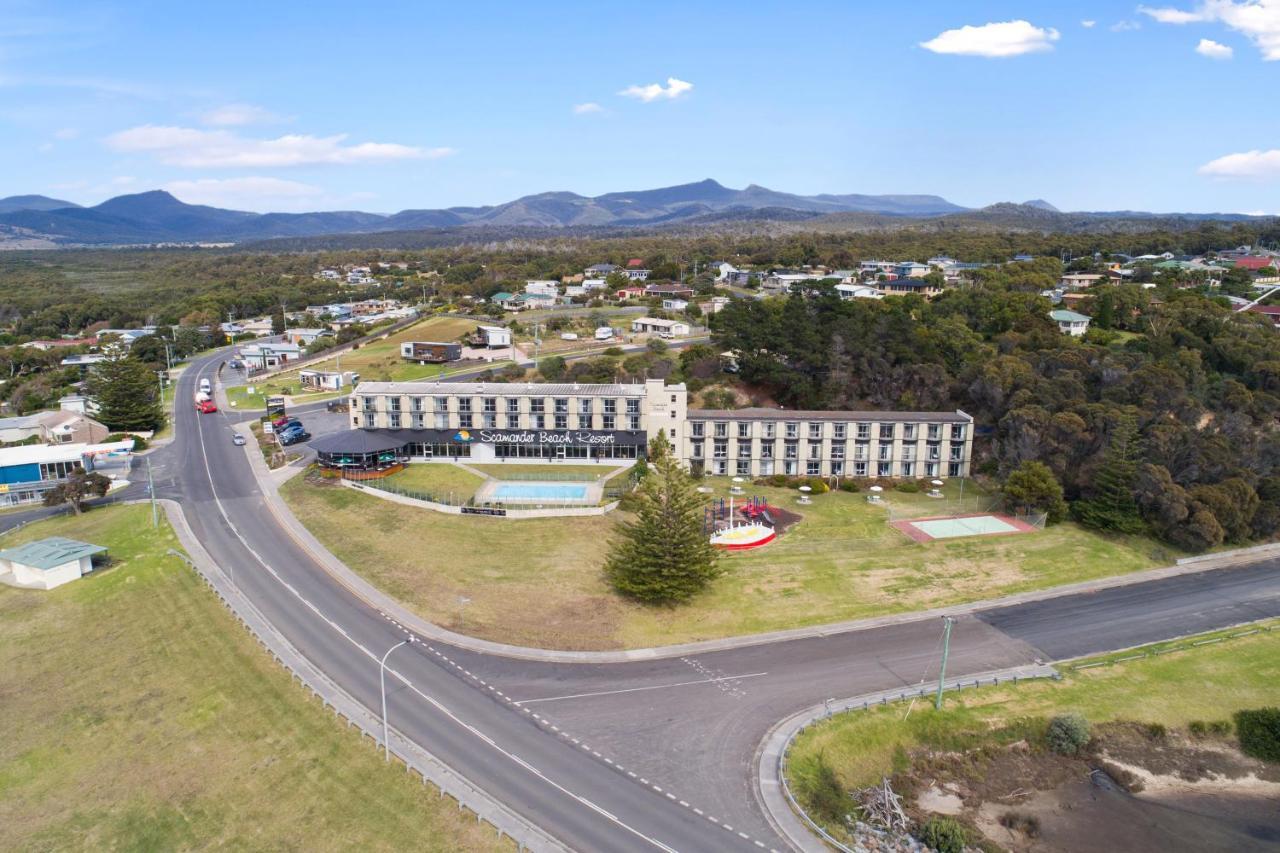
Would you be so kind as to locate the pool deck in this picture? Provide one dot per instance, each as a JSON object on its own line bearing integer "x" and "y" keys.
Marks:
{"x": 908, "y": 526}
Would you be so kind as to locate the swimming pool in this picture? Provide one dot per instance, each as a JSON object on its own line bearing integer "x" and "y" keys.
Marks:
{"x": 539, "y": 492}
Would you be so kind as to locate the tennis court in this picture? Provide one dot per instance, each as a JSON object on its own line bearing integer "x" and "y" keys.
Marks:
{"x": 952, "y": 527}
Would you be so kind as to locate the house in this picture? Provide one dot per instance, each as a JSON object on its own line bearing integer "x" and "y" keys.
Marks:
{"x": 911, "y": 269}
{"x": 430, "y": 352}
{"x": 56, "y": 427}
{"x": 542, "y": 287}
{"x": 1023, "y": 256}
{"x": 899, "y": 286}
{"x": 1272, "y": 311}
{"x": 874, "y": 268}
{"x": 502, "y": 299}
{"x": 269, "y": 356}
{"x": 1253, "y": 264}
{"x": 630, "y": 292}
{"x": 678, "y": 291}
{"x": 782, "y": 282}
{"x": 494, "y": 336}
{"x": 127, "y": 336}
{"x": 598, "y": 270}
{"x": 61, "y": 343}
{"x": 637, "y": 274}
{"x": 259, "y": 328}
{"x": 675, "y": 304}
{"x": 590, "y": 284}
{"x": 634, "y": 263}
{"x": 304, "y": 337}
{"x": 722, "y": 270}
{"x": 47, "y": 563}
{"x": 28, "y": 471}
{"x": 857, "y": 291}
{"x": 663, "y": 328}
{"x": 327, "y": 380}
{"x": 530, "y": 301}
{"x": 83, "y": 360}
{"x": 738, "y": 278}
{"x": 715, "y": 305}
{"x": 1080, "y": 280}
{"x": 328, "y": 275}
{"x": 1069, "y": 322}
{"x": 572, "y": 290}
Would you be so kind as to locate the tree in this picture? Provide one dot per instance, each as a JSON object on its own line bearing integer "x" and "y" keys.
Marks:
{"x": 78, "y": 487}
{"x": 552, "y": 368}
{"x": 127, "y": 393}
{"x": 1032, "y": 486}
{"x": 277, "y": 322}
{"x": 1111, "y": 504}
{"x": 663, "y": 556}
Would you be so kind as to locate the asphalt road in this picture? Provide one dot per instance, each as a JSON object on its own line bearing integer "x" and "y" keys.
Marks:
{"x": 646, "y": 755}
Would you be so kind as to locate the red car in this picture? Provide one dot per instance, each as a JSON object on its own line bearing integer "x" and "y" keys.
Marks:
{"x": 206, "y": 407}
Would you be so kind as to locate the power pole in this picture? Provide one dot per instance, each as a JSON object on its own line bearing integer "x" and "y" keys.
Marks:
{"x": 151, "y": 490}
{"x": 946, "y": 650}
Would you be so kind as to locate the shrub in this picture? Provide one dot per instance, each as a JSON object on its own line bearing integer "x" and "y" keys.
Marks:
{"x": 944, "y": 835}
{"x": 779, "y": 480}
{"x": 907, "y": 486}
{"x": 1198, "y": 728}
{"x": 1067, "y": 734}
{"x": 1028, "y": 825}
{"x": 817, "y": 485}
{"x": 1155, "y": 731}
{"x": 850, "y": 486}
{"x": 1259, "y": 733}
{"x": 139, "y": 443}
{"x": 1221, "y": 728}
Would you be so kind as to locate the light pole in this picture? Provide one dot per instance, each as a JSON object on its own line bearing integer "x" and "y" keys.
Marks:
{"x": 382, "y": 678}
{"x": 946, "y": 650}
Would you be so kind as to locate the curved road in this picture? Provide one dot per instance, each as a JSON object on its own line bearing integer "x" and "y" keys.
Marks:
{"x": 648, "y": 755}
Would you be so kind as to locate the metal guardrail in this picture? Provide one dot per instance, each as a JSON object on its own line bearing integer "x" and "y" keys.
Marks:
{"x": 1180, "y": 647}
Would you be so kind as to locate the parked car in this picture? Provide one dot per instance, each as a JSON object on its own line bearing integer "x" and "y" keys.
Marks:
{"x": 295, "y": 437}
{"x": 282, "y": 420}
{"x": 292, "y": 429}
{"x": 237, "y": 440}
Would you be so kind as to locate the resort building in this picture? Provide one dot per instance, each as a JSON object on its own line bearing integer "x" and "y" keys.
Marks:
{"x": 28, "y": 471}
{"x": 481, "y": 422}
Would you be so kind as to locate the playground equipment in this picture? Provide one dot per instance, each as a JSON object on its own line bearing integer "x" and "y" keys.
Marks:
{"x": 721, "y": 523}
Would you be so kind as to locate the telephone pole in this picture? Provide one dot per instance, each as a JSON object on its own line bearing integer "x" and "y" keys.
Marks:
{"x": 151, "y": 490}
{"x": 946, "y": 649}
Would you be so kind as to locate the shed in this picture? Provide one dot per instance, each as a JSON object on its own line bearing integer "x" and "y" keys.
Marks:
{"x": 47, "y": 563}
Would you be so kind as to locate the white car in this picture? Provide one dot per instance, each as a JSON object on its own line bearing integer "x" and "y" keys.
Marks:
{"x": 237, "y": 440}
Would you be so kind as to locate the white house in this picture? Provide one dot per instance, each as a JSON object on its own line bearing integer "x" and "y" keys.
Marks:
{"x": 911, "y": 269}
{"x": 675, "y": 304}
{"x": 637, "y": 274}
{"x": 1069, "y": 322}
{"x": 266, "y": 356}
{"x": 47, "y": 563}
{"x": 542, "y": 287}
{"x": 723, "y": 270}
{"x": 671, "y": 328}
{"x": 495, "y": 336}
{"x": 590, "y": 284}
{"x": 857, "y": 291}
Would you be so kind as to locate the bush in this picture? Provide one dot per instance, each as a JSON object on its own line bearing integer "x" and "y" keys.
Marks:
{"x": 1198, "y": 728}
{"x": 139, "y": 443}
{"x": 817, "y": 485}
{"x": 778, "y": 480}
{"x": 908, "y": 487}
{"x": 944, "y": 835}
{"x": 1155, "y": 731}
{"x": 850, "y": 486}
{"x": 1259, "y": 733}
{"x": 1067, "y": 734}
{"x": 1221, "y": 728}
{"x": 1028, "y": 825}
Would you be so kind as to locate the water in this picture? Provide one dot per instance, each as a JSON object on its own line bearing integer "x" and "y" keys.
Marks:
{"x": 540, "y": 492}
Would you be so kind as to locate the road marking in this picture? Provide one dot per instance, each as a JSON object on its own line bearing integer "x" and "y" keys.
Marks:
{"x": 715, "y": 680}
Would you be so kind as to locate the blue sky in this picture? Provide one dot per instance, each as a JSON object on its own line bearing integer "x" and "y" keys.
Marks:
{"x": 385, "y": 106}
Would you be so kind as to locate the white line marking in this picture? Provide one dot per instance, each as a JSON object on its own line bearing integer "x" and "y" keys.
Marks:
{"x": 638, "y": 689}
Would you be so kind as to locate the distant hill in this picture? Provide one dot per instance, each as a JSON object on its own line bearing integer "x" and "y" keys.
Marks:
{"x": 32, "y": 202}
{"x": 158, "y": 217}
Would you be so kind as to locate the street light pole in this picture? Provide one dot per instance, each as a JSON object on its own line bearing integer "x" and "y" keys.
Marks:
{"x": 382, "y": 678}
{"x": 151, "y": 490}
{"x": 946, "y": 650}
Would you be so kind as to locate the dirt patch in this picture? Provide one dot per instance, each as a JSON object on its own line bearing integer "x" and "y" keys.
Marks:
{"x": 784, "y": 519}
{"x": 937, "y": 801}
{"x": 1158, "y": 756}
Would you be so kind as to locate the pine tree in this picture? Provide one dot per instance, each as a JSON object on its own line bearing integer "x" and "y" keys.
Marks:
{"x": 1111, "y": 504}
{"x": 663, "y": 556}
{"x": 127, "y": 393}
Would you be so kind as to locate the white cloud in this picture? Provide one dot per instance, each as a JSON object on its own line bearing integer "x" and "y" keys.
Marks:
{"x": 1125, "y": 26}
{"x": 181, "y": 146}
{"x": 1257, "y": 20}
{"x": 1214, "y": 50}
{"x": 587, "y": 108}
{"x": 1252, "y": 165}
{"x": 66, "y": 133}
{"x": 996, "y": 40}
{"x": 674, "y": 89}
{"x": 1088, "y": 25}
{"x": 237, "y": 115}
{"x": 254, "y": 193}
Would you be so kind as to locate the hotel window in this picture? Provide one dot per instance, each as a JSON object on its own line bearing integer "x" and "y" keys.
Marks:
{"x": 562, "y": 406}
{"x": 789, "y": 468}
{"x": 766, "y": 450}
{"x": 393, "y": 404}
{"x": 770, "y": 429}
{"x": 368, "y": 404}
{"x": 766, "y": 468}
{"x": 957, "y": 452}
{"x": 864, "y": 431}
{"x": 860, "y": 451}
{"x": 720, "y": 450}
{"x": 957, "y": 432}
{"x": 744, "y": 430}
{"x": 815, "y": 432}
{"x": 935, "y": 432}
{"x": 909, "y": 432}
{"x": 697, "y": 429}
{"x": 744, "y": 450}
{"x": 489, "y": 420}
{"x": 859, "y": 469}
{"x": 953, "y": 469}
{"x": 719, "y": 467}
{"x": 931, "y": 469}
{"x": 464, "y": 404}
{"x": 610, "y": 407}
{"x": 393, "y": 420}
{"x": 607, "y": 421}
{"x": 442, "y": 420}
{"x": 418, "y": 420}
{"x": 838, "y": 431}
{"x": 792, "y": 450}
{"x": 537, "y": 405}
{"x": 744, "y": 467}
{"x": 695, "y": 450}
{"x": 884, "y": 469}
{"x": 415, "y": 403}
{"x": 837, "y": 450}
{"x": 909, "y": 453}
{"x": 464, "y": 421}
{"x": 721, "y": 429}
{"x": 792, "y": 430}
{"x": 633, "y": 406}
{"x": 908, "y": 469}
{"x": 886, "y": 452}
{"x": 811, "y": 468}
{"x": 442, "y": 404}
{"x": 490, "y": 404}
{"x": 513, "y": 405}
{"x": 815, "y": 450}
{"x": 562, "y": 421}
{"x": 537, "y": 421}
{"x": 886, "y": 432}
{"x": 584, "y": 407}
{"x": 837, "y": 468}
{"x": 934, "y": 453}
{"x": 633, "y": 422}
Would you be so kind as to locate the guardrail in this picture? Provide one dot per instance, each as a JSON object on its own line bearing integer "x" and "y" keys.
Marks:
{"x": 1180, "y": 647}
{"x": 448, "y": 782}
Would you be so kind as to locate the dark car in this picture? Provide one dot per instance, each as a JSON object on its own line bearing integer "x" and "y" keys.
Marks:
{"x": 290, "y": 429}
{"x": 295, "y": 438}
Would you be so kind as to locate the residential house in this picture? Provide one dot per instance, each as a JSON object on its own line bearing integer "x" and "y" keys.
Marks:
{"x": 591, "y": 284}
{"x": 542, "y": 287}
{"x": 61, "y": 343}
{"x": 1272, "y": 311}
{"x": 493, "y": 337}
{"x": 664, "y": 328}
{"x": 857, "y": 291}
{"x": 304, "y": 337}
{"x": 598, "y": 270}
{"x": 327, "y": 380}
{"x": 633, "y": 291}
{"x": 675, "y": 304}
{"x": 722, "y": 269}
{"x": 637, "y": 273}
{"x": 1080, "y": 280}
{"x": 258, "y": 357}
{"x": 911, "y": 269}
{"x": 669, "y": 290}
{"x": 502, "y": 299}
{"x": 715, "y": 305}
{"x": 530, "y": 301}
{"x": 781, "y": 281}
{"x": 900, "y": 286}
{"x": 1253, "y": 263}
{"x": 53, "y": 427}
{"x": 1069, "y": 322}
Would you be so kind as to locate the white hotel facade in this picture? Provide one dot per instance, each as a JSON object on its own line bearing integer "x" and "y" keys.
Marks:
{"x": 568, "y": 423}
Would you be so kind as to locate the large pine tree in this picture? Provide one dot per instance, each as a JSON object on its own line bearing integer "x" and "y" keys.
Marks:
{"x": 663, "y": 556}
{"x": 1111, "y": 504}
{"x": 127, "y": 392}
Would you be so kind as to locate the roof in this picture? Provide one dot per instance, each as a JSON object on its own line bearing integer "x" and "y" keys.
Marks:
{"x": 356, "y": 441}
{"x": 502, "y": 388}
{"x": 635, "y": 262}
{"x": 502, "y": 296}
{"x": 21, "y": 422}
{"x": 760, "y": 414}
{"x": 1270, "y": 310}
{"x": 1252, "y": 263}
{"x": 658, "y": 321}
{"x": 50, "y": 553}
{"x": 1062, "y": 315}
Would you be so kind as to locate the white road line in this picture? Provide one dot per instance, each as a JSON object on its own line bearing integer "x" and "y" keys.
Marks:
{"x": 638, "y": 689}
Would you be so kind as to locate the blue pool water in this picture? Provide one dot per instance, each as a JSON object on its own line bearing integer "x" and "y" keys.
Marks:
{"x": 540, "y": 491}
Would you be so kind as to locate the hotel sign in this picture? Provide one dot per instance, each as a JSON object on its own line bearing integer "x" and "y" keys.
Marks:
{"x": 542, "y": 436}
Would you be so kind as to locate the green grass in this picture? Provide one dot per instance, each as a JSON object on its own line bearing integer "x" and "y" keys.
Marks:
{"x": 140, "y": 715}
{"x": 437, "y": 478}
{"x": 842, "y": 561}
{"x": 1197, "y": 683}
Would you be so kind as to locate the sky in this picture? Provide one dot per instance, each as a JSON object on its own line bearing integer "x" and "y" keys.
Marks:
{"x": 384, "y": 106}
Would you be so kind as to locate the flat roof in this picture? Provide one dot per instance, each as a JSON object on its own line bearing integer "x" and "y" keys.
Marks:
{"x": 498, "y": 389}
{"x": 761, "y": 414}
{"x": 50, "y": 553}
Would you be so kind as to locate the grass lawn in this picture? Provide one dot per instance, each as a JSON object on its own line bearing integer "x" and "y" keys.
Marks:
{"x": 586, "y": 473}
{"x": 1200, "y": 683}
{"x": 141, "y": 716}
{"x": 842, "y": 561}
{"x": 438, "y": 479}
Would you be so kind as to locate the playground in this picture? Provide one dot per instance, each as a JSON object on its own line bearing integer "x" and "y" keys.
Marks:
{"x": 952, "y": 527}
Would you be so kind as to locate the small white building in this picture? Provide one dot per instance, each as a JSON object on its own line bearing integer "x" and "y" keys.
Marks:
{"x": 542, "y": 287}
{"x": 857, "y": 291}
{"x": 675, "y": 304}
{"x": 47, "y": 563}
{"x": 1069, "y": 322}
{"x": 494, "y": 336}
{"x": 590, "y": 284}
{"x": 666, "y": 328}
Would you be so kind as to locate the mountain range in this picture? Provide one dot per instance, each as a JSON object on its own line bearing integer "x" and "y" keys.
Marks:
{"x": 34, "y": 221}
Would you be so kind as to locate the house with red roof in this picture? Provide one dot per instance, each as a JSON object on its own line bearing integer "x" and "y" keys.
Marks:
{"x": 1272, "y": 311}
{"x": 1253, "y": 264}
